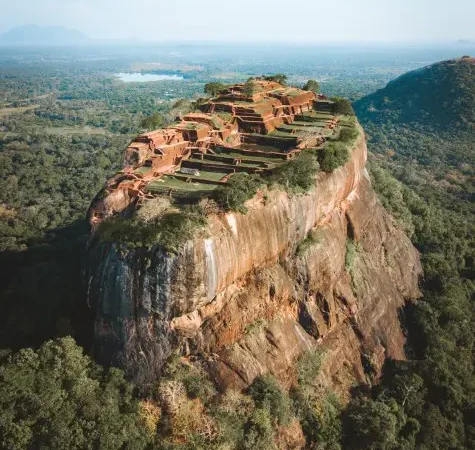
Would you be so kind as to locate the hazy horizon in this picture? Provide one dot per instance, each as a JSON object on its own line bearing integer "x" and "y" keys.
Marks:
{"x": 369, "y": 21}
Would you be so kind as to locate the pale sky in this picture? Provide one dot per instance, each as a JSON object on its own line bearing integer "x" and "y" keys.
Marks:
{"x": 251, "y": 20}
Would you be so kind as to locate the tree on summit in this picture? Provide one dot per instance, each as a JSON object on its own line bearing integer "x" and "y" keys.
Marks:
{"x": 312, "y": 85}
{"x": 278, "y": 78}
{"x": 214, "y": 88}
{"x": 342, "y": 106}
{"x": 152, "y": 122}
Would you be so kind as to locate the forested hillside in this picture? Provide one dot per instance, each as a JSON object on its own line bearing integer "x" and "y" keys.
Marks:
{"x": 421, "y": 134}
{"x": 438, "y": 96}
{"x": 60, "y": 139}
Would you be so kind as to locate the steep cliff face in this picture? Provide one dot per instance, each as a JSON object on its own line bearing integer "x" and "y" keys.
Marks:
{"x": 327, "y": 269}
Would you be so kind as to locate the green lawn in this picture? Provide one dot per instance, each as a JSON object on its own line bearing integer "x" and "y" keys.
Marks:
{"x": 238, "y": 154}
{"x": 167, "y": 182}
{"x": 264, "y": 148}
{"x": 18, "y": 110}
{"x": 205, "y": 175}
{"x": 245, "y": 162}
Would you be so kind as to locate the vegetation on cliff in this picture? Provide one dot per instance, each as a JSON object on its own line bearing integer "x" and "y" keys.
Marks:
{"x": 238, "y": 190}
{"x": 342, "y": 106}
{"x": 336, "y": 153}
{"x": 213, "y": 88}
{"x": 278, "y": 78}
{"x": 298, "y": 175}
{"x": 157, "y": 224}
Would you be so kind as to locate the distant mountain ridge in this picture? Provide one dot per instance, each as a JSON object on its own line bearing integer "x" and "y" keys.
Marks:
{"x": 441, "y": 95}
{"x": 39, "y": 35}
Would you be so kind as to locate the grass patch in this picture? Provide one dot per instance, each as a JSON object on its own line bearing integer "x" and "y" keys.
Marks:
{"x": 224, "y": 116}
{"x": 310, "y": 240}
{"x": 17, "y": 110}
{"x": 170, "y": 182}
{"x": 209, "y": 175}
{"x": 350, "y": 254}
{"x": 308, "y": 367}
{"x": 255, "y": 326}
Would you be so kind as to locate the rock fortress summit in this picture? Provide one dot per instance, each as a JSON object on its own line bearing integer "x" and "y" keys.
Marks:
{"x": 251, "y": 127}
{"x": 246, "y": 290}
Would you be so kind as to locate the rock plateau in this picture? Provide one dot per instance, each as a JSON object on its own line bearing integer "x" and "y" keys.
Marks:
{"x": 328, "y": 269}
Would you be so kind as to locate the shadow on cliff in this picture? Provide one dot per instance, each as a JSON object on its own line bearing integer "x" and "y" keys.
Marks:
{"x": 42, "y": 295}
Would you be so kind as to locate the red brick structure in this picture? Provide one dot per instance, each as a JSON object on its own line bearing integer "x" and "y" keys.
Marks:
{"x": 261, "y": 106}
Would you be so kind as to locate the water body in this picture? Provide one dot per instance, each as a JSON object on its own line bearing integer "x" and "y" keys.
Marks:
{"x": 138, "y": 77}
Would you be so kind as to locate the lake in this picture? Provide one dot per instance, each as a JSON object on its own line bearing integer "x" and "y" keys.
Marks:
{"x": 145, "y": 77}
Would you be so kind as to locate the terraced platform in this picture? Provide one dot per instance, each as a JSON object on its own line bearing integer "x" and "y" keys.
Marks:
{"x": 251, "y": 127}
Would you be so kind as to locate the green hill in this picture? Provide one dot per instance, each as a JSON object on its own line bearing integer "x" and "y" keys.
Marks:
{"x": 421, "y": 141}
{"x": 42, "y": 36}
{"x": 439, "y": 95}
{"x": 428, "y": 116}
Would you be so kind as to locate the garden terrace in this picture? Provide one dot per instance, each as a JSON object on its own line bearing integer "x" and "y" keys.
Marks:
{"x": 271, "y": 142}
{"x": 237, "y": 159}
{"x": 217, "y": 162}
{"x": 259, "y": 151}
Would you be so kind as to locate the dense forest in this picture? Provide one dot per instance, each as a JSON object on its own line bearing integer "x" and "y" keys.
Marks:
{"x": 61, "y": 136}
{"x": 423, "y": 172}
{"x": 57, "y": 150}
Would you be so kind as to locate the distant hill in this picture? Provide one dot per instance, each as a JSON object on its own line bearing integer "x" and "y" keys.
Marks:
{"x": 37, "y": 35}
{"x": 439, "y": 95}
{"x": 421, "y": 135}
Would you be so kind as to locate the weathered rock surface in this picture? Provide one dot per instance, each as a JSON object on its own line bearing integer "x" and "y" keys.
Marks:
{"x": 247, "y": 303}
